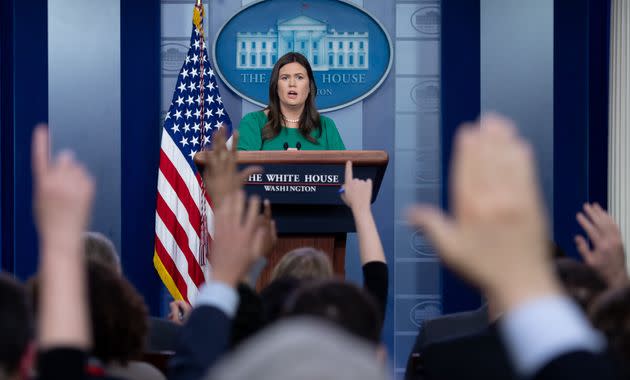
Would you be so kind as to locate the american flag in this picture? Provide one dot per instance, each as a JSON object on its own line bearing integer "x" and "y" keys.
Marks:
{"x": 182, "y": 232}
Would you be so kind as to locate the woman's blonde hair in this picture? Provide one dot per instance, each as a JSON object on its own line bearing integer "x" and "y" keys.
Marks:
{"x": 304, "y": 263}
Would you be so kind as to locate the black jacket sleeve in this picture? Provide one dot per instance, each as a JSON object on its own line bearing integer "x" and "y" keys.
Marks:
{"x": 62, "y": 363}
{"x": 578, "y": 365}
{"x": 375, "y": 282}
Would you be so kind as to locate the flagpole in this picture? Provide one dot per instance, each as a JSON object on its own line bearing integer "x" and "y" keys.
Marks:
{"x": 203, "y": 242}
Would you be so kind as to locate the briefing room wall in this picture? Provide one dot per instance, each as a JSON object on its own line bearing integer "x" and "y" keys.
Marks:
{"x": 517, "y": 74}
{"x": 84, "y": 98}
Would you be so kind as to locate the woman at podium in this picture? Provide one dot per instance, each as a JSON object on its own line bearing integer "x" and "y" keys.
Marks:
{"x": 291, "y": 120}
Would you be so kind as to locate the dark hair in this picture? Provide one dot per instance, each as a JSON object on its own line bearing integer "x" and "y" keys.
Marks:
{"x": 275, "y": 295}
{"x": 610, "y": 314}
{"x": 119, "y": 317}
{"x": 15, "y": 324}
{"x": 309, "y": 120}
{"x": 582, "y": 283}
{"x": 248, "y": 319}
{"x": 341, "y": 303}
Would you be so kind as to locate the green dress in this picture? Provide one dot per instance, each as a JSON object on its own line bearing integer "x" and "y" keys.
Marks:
{"x": 250, "y": 130}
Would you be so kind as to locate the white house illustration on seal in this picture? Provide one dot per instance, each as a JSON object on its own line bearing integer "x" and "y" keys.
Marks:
{"x": 326, "y": 49}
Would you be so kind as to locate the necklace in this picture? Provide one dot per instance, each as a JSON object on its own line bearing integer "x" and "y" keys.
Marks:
{"x": 290, "y": 120}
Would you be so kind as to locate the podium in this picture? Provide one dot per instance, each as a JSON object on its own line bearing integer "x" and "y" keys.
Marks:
{"x": 303, "y": 188}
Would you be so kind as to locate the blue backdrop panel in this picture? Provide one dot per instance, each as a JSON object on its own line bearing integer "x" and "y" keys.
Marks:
{"x": 140, "y": 145}
{"x": 598, "y": 58}
{"x": 24, "y": 104}
{"x": 460, "y": 99}
{"x": 6, "y": 135}
{"x": 580, "y": 111}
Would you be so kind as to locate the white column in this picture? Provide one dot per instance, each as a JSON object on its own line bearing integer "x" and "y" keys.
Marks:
{"x": 619, "y": 117}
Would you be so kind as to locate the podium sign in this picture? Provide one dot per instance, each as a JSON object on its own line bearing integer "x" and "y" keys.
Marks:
{"x": 304, "y": 184}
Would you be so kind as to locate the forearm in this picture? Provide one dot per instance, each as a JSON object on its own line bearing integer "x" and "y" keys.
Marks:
{"x": 64, "y": 315}
{"x": 370, "y": 246}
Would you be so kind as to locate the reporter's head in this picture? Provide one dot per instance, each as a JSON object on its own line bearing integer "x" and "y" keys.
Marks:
{"x": 305, "y": 263}
{"x": 16, "y": 331}
{"x": 341, "y": 303}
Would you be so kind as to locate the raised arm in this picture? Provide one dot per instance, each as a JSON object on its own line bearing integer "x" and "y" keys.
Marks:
{"x": 357, "y": 194}
{"x": 63, "y": 193}
{"x": 497, "y": 239}
{"x": 62, "y": 200}
{"x": 238, "y": 240}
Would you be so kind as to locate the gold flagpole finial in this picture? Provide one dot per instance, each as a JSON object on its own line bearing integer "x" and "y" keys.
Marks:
{"x": 198, "y": 14}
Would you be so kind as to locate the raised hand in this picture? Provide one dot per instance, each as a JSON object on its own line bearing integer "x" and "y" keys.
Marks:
{"x": 357, "y": 193}
{"x": 63, "y": 191}
{"x": 497, "y": 236}
{"x": 221, "y": 175}
{"x": 606, "y": 255}
{"x": 62, "y": 199}
{"x": 238, "y": 237}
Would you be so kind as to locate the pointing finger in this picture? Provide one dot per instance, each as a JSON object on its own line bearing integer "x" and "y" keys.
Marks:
{"x": 40, "y": 155}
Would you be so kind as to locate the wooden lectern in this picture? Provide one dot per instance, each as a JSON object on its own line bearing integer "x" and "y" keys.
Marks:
{"x": 303, "y": 188}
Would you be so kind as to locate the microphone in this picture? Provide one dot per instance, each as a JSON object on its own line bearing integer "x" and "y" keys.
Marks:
{"x": 298, "y": 146}
{"x": 286, "y": 146}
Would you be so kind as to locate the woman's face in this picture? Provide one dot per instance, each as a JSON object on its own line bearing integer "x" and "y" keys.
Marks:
{"x": 293, "y": 85}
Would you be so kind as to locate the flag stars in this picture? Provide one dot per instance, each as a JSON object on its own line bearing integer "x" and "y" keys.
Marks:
{"x": 198, "y": 100}
{"x": 220, "y": 110}
{"x": 194, "y": 72}
{"x": 192, "y": 154}
{"x": 187, "y": 59}
{"x": 194, "y": 140}
{"x": 192, "y": 86}
{"x": 168, "y": 116}
{"x": 197, "y": 113}
{"x": 190, "y": 100}
{"x": 206, "y": 140}
{"x": 184, "y": 141}
{"x": 218, "y": 125}
{"x": 188, "y": 114}
{"x": 196, "y": 127}
{"x": 184, "y": 74}
{"x": 196, "y": 44}
{"x": 178, "y": 114}
{"x": 182, "y": 87}
{"x": 210, "y": 86}
{"x": 208, "y": 113}
{"x": 210, "y": 99}
{"x": 195, "y": 59}
{"x": 219, "y": 99}
{"x": 175, "y": 128}
{"x": 186, "y": 127}
{"x": 207, "y": 127}
{"x": 179, "y": 101}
